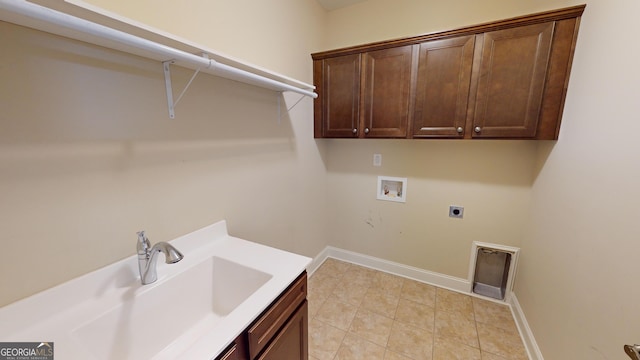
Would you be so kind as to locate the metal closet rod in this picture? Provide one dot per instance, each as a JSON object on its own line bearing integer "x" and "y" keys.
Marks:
{"x": 211, "y": 66}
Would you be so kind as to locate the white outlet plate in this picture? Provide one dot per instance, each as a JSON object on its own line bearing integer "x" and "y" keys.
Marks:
{"x": 456, "y": 211}
{"x": 377, "y": 159}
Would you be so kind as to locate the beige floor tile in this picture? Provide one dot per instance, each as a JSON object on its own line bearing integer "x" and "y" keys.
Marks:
{"x": 391, "y": 284}
{"x": 454, "y": 302}
{"x": 359, "y": 276}
{"x": 324, "y": 340}
{"x": 371, "y": 326}
{"x": 359, "y": 313}
{"x": 322, "y": 285}
{"x": 333, "y": 267}
{"x": 392, "y": 355}
{"x": 489, "y": 356}
{"x": 315, "y": 303}
{"x": 350, "y": 294}
{"x": 418, "y": 292}
{"x": 501, "y": 342}
{"x": 381, "y": 302}
{"x": 416, "y": 314}
{"x": 357, "y": 348}
{"x": 444, "y": 349}
{"x": 411, "y": 341}
{"x": 495, "y": 314}
{"x": 456, "y": 327}
{"x": 336, "y": 313}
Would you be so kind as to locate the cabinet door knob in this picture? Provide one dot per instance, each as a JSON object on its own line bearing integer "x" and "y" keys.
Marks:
{"x": 477, "y": 129}
{"x": 354, "y": 131}
{"x": 366, "y": 130}
{"x": 459, "y": 129}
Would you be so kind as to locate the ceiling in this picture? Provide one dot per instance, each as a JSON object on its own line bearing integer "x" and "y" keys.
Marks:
{"x": 337, "y": 4}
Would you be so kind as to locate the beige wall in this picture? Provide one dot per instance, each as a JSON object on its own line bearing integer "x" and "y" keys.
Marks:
{"x": 276, "y": 34}
{"x": 577, "y": 279}
{"x": 376, "y": 20}
{"x": 491, "y": 179}
{"x": 579, "y": 268}
{"x": 85, "y": 163}
{"x": 88, "y": 155}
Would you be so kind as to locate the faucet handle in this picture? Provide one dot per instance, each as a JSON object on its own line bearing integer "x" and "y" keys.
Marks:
{"x": 143, "y": 245}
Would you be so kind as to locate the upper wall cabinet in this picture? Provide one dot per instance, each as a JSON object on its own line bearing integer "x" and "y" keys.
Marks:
{"x": 506, "y": 79}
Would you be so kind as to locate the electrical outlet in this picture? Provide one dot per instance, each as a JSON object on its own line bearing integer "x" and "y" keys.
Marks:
{"x": 377, "y": 159}
{"x": 456, "y": 211}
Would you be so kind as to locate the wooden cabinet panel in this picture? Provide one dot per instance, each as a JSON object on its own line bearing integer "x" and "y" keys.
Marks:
{"x": 386, "y": 95}
{"x": 230, "y": 354}
{"x": 504, "y": 80}
{"x": 341, "y": 96}
{"x": 512, "y": 76}
{"x": 236, "y": 351}
{"x": 292, "y": 341}
{"x": 268, "y": 325}
{"x": 279, "y": 333}
{"x": 555, "y": 90}
{"x": 442, "y": 93}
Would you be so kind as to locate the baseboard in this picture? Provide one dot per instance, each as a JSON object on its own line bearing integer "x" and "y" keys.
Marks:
{"x": 317, "y": 261}
{"x": 436, "y": 279}
{"x": 525, "y": 331}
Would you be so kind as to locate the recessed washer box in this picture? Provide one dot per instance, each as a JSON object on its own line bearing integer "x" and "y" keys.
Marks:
{"x": 392, "y": 189}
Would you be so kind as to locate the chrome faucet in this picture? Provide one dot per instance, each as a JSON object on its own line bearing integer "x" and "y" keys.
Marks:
{"x": 148, "y": 256}
{"x": 633, "y": 351}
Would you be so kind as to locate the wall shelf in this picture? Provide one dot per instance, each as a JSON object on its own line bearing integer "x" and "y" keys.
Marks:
{"x": 80, "y": 21}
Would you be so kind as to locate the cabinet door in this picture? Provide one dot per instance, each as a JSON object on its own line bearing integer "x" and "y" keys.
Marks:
{"x": 236, "y": 351}
{"x": 442, "y": 94}
{"x": 387, "y": 92}
{"x": 292, "y": 341}
{"x": 267, "y": 326}
{"x": 511, "y": 81}
{"x": 341, "y": 96}
{"x": 231, "y": 354}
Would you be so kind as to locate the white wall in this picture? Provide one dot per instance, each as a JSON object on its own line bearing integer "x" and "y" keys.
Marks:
{"x": 579, "y": 267}
{"x": 89, "y": 156}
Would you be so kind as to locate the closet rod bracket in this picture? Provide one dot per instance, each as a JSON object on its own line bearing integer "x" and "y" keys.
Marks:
{"x": 167, "y": 83}
{"x": 166, "y": 66}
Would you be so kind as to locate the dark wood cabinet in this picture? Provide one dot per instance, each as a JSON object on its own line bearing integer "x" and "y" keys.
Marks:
{"x": 279, "y": 333}
{"x": 387, "y": 76}
{"x": 231, "y": 353}
{"x": 501, "y": 80}
{"x": 270, "y": 323}
{"x": 290, "y": 343}
{"x": 513, "y": 69}
{"x": 238, "y": 350}
{"x": 442, "y": 93}
{"x": 364, "y": 95}
{"x": 341, "y": 96}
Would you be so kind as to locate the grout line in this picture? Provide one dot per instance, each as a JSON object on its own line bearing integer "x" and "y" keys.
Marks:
{"x": 437, "y": 298}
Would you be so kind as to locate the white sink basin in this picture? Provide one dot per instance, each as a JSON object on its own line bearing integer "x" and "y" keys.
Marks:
{"x": 145, "y": 323}
{"x": 196, "y": 308}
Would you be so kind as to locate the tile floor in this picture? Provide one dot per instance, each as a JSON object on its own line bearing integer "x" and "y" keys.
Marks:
{"x": 363, "y": 314}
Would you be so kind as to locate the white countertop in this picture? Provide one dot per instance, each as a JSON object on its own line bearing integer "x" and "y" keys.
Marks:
{"x": 58, "y": 314}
